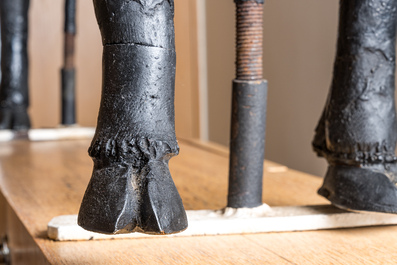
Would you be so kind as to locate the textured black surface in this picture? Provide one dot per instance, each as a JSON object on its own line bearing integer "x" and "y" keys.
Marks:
{"x": 247, "y": 143}
{"x": 14, "y": 96}
{"x": 145, "y": 22}
{"x": 358, "y": 125}
{"x": 359, "y": 189}
{"x": 131, "y": 188}
{"x": 68, "y": 96}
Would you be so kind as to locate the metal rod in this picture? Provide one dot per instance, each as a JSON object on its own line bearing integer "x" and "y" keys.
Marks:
{"x": 68, "y": 71}
{"x": 249, "y": 38}
{"x": 247, "y": 137}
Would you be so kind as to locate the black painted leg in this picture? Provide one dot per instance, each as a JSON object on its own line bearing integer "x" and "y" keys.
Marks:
{"x": 131, "y": 188}
{"x": 14, "y": 96}
{"x": 357, "y": 132}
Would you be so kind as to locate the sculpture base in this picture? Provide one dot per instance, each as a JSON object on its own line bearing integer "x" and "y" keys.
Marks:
{"x": 49, "y": 134}
{"x": 262, "y": 219}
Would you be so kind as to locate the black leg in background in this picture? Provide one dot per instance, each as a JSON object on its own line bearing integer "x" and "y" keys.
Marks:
{"x": 14, "y": 92}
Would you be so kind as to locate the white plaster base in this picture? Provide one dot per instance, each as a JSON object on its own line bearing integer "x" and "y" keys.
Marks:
{"x": 49, "y": 134}
{"x": 240, "y": 221}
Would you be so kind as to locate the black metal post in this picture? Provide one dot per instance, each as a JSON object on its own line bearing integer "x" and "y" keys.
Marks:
{"x": 68, "y": 72}
{"x": 247, "y": 137}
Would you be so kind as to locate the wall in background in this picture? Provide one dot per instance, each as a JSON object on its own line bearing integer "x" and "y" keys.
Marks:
{"x": 299, "y": 48}
{"x": 46, "y": 49}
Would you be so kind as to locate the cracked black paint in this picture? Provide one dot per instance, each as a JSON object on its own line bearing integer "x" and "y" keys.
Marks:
{"x": 357, "y": 132}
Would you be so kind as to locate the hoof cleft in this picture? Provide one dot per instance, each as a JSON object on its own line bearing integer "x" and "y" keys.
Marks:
{"x": 119, "y": 200}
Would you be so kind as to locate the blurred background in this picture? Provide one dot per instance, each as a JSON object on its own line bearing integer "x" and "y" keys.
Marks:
{"x": 299, "y": 47}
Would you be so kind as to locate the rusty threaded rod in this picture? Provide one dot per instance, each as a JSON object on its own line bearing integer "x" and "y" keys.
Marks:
{"x": 68, "y": 53}
{"x": 249, "y": 40}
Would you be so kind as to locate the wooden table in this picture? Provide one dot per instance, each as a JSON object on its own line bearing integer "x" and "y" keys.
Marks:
{"x": 40, "y": 180}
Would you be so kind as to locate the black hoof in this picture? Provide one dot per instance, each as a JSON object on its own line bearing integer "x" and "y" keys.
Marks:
{"x": 360, "y": 189}
{"x": 14, "y": 119}
{"x": 120, "y": 200}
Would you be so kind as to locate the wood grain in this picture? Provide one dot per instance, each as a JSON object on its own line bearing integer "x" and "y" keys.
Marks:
{"x": 23, "y": 249}
{"x": 2, "y": 215}
{"x": 41, "y": 180}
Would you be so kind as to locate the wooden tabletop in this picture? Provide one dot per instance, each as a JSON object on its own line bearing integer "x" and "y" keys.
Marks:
{"x": 40, "y": 180}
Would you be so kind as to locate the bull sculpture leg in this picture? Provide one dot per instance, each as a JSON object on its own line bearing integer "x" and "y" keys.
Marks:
{"x": 14, "y": 97}
{"x": 131, "y": 188}
{"x": 357, "y": 132}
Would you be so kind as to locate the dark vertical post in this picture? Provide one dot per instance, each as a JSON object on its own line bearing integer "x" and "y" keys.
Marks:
{"x": 14, "y": 91}
{"x": 68, "y": 72}
{"x": 357, "y": 132}
{"x": 247, "y": 137}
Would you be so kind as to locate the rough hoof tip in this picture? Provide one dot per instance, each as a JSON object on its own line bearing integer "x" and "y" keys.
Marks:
{"x": 359, "y": 189}
{"x": 116, "y": 202}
